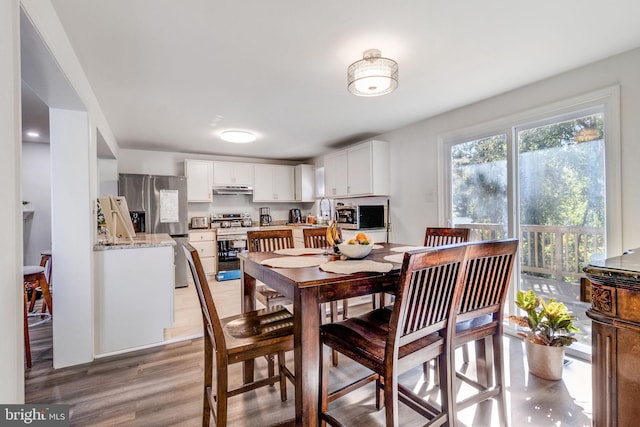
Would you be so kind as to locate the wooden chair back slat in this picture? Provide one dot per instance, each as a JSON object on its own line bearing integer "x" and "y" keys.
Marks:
{"x": 440, "y": 236}
{"x": 269, "y": 240}
{"x": 428, "y": 294}
{"x": 489, "y": 268}
{"x": 316, "y": 237}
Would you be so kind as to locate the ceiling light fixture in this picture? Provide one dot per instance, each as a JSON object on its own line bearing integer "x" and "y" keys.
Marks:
{"x": 372, "y": 75}
{"x": 237, "y": 136}
{"x": 33, "y": 134}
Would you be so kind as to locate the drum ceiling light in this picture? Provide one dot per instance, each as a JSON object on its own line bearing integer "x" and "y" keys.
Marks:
{"x": 237, "y": 136}
{"x": 372, "y": 75}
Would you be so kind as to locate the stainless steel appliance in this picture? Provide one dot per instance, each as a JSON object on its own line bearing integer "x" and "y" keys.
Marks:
{"x": 231, "y": 239}
{"x": 361, "y": 216}
{"x": 199, "y": 222}
{"x": 295, "y": 217}
{"x": 265, "y": 216}
{"x": 160, "y": 203}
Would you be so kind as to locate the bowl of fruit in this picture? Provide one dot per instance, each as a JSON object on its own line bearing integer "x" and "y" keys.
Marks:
{"x": 358, "y": 247}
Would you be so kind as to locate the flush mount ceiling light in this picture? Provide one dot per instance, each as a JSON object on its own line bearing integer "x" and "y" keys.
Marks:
{"x": 372, "y": 75}
{"x": 237, "y": 136}
{"x": 33, "y": 134}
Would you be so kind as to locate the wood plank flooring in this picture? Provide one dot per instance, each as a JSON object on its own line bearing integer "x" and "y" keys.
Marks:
{"x": 161, "y": 386}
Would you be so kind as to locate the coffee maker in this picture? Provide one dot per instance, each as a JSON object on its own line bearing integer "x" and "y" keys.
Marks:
{"x": 295, "y": 217}
{"x": 265, "y": 216}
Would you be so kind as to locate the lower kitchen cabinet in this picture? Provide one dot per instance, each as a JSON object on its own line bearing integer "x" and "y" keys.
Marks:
{"x": 133, "y": 297}
{"x": 205, "y": 242}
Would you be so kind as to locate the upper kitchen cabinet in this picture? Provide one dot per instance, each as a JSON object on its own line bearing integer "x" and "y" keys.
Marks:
{"x": 361, "y": 170}
{"x": 232, "y": 173}
{"x": 304, "y": 180}
{"x": 274, "y": 183}
{"x": 199, "y": 175}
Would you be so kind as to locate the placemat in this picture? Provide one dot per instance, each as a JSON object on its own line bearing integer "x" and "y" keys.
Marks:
{"x": 407, "y": 248}
{"x": 356, "y": 266}
{"x": 301, "y": 251}
{"x": 395, "y": 258}
{"x": 294, "y": 261}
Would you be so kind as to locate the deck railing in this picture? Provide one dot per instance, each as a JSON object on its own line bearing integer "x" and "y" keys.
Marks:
{"x": 557, "y": 252}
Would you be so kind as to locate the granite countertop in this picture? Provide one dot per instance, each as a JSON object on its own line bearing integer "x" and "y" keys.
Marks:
{"x": 141, "y": 240}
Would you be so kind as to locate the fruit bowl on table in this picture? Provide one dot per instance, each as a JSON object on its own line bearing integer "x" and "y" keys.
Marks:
{"x": 356, "y": 248}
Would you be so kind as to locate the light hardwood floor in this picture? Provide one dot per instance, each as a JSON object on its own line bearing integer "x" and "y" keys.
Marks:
{"x": 161, "y": 386}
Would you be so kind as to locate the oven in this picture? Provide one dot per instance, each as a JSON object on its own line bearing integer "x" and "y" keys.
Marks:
{"x": 231, "y": 239}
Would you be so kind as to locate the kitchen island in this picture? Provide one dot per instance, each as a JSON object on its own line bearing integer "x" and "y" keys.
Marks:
{"x": 615, "y": 312}
{"x": 134, "y": 292}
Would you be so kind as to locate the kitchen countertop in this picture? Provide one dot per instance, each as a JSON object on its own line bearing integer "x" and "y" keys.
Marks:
{"x": 141, "y": 240}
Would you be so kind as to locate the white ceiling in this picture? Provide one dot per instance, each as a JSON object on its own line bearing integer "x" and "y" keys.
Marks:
{"x": 164, "y": 71}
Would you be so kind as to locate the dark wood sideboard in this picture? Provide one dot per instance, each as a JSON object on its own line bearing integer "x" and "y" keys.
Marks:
{"x": 615, "y": 312}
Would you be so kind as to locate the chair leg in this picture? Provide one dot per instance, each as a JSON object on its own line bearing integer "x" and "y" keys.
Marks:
{"x": 499, "y": 374}
{"x": 324, "y": 386}
{"x": 465, "y": 354}
{"x": 208, "y": 380}
{"x": 27, "y": 342}
{"x": 334, "y": 318}
{"x": 345, "y": 308}
{"x": 42, "y": 282}
{"x": 391, "y": 400}
{"x": 270, "y": 366}
{"x": 283, "y": 377}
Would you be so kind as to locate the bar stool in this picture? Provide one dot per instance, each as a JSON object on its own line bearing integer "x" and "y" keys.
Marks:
{"x": 34, "y": 278}
{"x": 46, "y": 261}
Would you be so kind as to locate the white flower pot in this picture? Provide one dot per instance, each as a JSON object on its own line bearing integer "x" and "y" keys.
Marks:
{"x": 545, "y": 361}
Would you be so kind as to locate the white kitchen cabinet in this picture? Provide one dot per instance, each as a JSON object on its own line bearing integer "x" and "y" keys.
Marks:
{"x": 133, "y": 297}
{"x": 304, "y": 181}
{"x": 274, "y": 183}
{"x": 335, "y": 174}
{"x": 205, "y": 242}
{"x": 360, "y": 170}
{"x": 199, "y": 175}
{"x": 232, "y": 173}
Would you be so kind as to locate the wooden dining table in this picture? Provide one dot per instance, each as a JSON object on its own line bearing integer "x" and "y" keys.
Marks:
{"x": 308, "y": 287}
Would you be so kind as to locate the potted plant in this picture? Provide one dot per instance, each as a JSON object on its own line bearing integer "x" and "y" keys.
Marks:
{"x": 547, "y": 329}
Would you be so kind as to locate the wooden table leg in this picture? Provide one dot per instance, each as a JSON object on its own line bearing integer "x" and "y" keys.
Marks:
{"x": 307, "y": 355}
{"x": 248, "y": 291}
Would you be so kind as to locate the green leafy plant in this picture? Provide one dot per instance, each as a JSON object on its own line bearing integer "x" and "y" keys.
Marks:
{"x": 545, "y": 323}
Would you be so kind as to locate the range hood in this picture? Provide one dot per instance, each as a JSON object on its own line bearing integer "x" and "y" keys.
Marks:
{"x": 232, "y": 189}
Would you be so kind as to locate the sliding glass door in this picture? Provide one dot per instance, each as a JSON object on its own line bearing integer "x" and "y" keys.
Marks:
{"x": 544, "y": 183}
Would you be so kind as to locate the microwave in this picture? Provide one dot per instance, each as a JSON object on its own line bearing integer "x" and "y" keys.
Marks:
{"x": 360, "y": 217}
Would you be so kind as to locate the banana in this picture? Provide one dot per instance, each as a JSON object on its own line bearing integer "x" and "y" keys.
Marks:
{"x": 329, "y": 235}
{"x": 336, "y": 233}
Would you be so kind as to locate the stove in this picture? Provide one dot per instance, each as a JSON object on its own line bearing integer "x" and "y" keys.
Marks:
{"x": 231, "y": 239}
{"x": 231, "y": 220}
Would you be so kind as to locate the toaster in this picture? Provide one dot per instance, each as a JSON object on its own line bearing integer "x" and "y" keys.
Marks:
{"x": 199, "y": 222}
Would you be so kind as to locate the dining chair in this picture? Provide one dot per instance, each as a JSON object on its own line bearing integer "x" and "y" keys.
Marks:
{"x": 268, "y": 241}
{"x": 489, "y": 266}
{"x": 389, "y": 342}
{"x": 316, "y": 237}
{"x": 237, "y": 339}
{"x": 440, "y": 236}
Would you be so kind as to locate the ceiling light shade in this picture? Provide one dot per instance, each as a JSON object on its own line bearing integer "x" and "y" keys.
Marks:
{"x": 372, "y": 75}
{"x": 237, "y": 136}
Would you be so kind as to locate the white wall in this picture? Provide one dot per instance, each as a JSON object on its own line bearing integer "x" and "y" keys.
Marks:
{"x": 11, "y": 290}
{"x": 107, "y": 177}
{"x": 414, "y": 162}
{"x": 36, "y": 188}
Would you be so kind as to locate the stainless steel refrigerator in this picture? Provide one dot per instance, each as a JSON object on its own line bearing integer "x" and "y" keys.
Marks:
{"x": 158, "y": 204}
